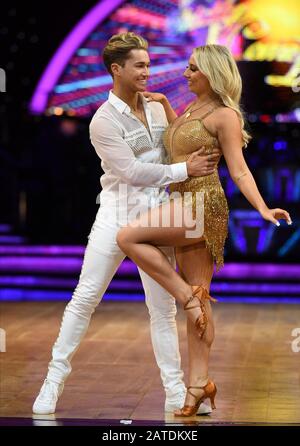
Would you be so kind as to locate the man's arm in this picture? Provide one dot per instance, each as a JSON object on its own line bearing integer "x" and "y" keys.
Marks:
{"x": 107, "y": 140}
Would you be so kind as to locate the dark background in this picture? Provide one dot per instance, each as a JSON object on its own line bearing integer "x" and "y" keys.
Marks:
{"x": 53, "y": 175}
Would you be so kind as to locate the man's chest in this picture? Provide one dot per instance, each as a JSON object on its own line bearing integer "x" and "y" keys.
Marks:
{"x": 142, "y": 139}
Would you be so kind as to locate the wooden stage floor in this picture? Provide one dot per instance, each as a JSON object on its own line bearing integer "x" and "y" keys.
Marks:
{"x": 115, "y": 375}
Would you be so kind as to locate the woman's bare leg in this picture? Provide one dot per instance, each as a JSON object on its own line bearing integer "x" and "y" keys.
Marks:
{"x": 195, "y": 265}
{"x": 140, "y": 240}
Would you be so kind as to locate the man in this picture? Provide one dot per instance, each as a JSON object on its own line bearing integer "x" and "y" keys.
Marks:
{"x": 126, "y": 132}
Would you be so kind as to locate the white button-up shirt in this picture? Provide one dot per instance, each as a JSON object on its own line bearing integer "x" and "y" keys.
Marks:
{"x": 133, "y": 159}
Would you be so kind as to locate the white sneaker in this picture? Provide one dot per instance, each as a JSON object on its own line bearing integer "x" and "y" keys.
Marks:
{"x": 171, "y": 405}
{"x": 46, "y": 400}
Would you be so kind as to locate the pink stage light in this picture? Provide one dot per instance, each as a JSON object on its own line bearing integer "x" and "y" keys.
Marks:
{"x": 60, "y": 59}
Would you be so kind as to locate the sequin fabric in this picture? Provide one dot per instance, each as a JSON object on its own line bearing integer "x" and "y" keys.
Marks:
{"x": 181, "y": 141}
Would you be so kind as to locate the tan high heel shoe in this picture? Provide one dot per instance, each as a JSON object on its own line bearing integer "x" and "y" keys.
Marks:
{"x": 201, "y": 294}
{"x": 210, "y": 391}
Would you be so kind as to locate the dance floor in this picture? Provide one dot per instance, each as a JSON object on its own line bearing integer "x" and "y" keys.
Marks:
{"x": 254, "y": 362}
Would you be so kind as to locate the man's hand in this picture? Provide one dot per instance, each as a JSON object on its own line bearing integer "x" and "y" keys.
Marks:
{"x": 199, "y": 165}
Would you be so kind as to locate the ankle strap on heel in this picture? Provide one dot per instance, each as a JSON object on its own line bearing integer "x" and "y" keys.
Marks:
{"x": 194, "y": 387}
{"x": 205, "y": 294}
{"x": 185, "y": 307}
{"x": 208, "y": 384}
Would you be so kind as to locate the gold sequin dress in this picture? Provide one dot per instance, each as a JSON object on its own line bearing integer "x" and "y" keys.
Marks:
{"x": 180, "y": 141}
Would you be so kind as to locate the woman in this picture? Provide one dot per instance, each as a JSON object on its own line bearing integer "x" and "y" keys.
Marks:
{"x": 213, "y": 119}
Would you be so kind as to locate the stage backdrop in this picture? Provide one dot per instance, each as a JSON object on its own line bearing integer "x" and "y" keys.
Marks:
{"x": 55, "y": 183}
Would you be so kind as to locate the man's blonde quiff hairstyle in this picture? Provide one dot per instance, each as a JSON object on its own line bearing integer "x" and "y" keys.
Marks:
{"x": 119, "y": 46}
{"x": 218, "y": 65}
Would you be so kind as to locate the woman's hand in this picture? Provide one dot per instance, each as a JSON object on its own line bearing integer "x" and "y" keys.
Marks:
{"x": 273, "y": 215}
{"x": 155, "y": 97}
{"x": 159, "y": 97}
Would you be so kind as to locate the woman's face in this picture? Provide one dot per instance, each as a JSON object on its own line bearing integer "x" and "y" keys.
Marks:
{"x": 197, "y": 82}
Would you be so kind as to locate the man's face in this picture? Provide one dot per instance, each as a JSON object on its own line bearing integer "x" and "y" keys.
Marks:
{"x": 135, "y": 72}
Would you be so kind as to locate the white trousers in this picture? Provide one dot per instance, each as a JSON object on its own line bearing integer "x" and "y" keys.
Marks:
{"x": 101, "y": 260}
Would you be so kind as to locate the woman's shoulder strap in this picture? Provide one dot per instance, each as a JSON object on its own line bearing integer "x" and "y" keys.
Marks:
{"x": 209, "y": 112}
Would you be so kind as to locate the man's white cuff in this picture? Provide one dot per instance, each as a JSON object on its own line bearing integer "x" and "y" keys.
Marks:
{"x": 179, "y": 172}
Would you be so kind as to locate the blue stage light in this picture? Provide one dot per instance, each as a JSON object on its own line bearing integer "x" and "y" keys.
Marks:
{"x": 280, "y": 145}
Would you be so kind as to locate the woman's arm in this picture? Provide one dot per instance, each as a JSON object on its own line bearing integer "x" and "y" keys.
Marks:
{"x": 230, "y": 137}
{"x": 170, "y": 112}
{"x": 159, "y": 97}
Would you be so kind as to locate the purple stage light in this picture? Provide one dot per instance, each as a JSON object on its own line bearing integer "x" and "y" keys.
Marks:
{"x": 36, "y": 281}
{"x": 14, "y": 239}
{"x": 60, "y": 59}
{"x": 73, "y": 264}
{"x": 123, "y": 284}
{"x": 21, "y": 295}
{"x": 259, "y": 300}
{"x": 259, "y": 270}
{"x": 255, "y": 288}
{"x": 47, "y": 282}
{"x": 5, "y": 228}
{"x": 11, "y": 295}
{"x": 49, "y": 264}
{"x": 43, "y": 250}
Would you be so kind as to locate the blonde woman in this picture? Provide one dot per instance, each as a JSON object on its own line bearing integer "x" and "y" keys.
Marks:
{"x": 213, "y": 119}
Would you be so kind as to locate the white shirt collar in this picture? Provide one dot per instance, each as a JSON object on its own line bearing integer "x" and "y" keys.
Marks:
{"x": 121, "y": 106}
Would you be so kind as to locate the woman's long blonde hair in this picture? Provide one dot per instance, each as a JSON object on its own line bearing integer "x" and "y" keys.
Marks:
{"x": 218, "y": 65}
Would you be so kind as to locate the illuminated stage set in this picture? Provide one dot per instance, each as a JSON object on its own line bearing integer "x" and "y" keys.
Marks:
{"x": 115, "y": 377}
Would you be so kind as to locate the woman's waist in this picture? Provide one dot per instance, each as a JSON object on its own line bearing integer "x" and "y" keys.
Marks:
{"x": 196, "y": 183}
